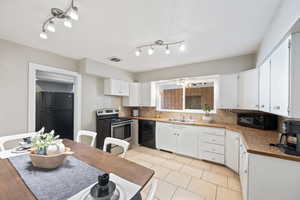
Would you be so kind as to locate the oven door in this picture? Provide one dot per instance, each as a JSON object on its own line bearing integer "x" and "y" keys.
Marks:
{"x": 122, "y": 131}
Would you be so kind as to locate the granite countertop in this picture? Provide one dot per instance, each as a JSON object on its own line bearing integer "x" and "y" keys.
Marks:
{"x": 256, "y": 141}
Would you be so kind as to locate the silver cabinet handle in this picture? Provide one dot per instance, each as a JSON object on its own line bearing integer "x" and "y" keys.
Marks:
{"x": 256, "y": 106}
{"x": 262, "y": 106}
{"x": 246, "y": 171}
{"x": 276, "y": 107}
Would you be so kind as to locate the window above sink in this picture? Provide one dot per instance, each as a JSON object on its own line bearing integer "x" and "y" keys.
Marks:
{"x": 189, "y": 95}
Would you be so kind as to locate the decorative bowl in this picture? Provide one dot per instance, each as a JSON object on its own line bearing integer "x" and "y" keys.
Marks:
{"x": 49, "y": 161}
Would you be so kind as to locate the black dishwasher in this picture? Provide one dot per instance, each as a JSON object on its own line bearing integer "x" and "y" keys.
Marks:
{"x": 147, "y": 133}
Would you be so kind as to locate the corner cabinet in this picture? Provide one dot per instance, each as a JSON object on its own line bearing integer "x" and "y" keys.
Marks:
{"x": 115, "y": 87}
{"x": 228, "y": 91}
{"x": 248, "y": 90}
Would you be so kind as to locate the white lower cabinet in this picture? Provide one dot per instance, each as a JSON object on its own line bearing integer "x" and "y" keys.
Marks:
{"x": 166, "y": 138}
{"x": 187, "y": 141}
{"x": 211, "y": 144}
{"x": 194, "y": 141}
{"x": 179, "y": 139}
{"x": 243, "y": 171}
{"x": 232, "y": 149}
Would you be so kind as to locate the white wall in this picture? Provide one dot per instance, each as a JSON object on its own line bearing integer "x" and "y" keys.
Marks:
{"x": 286, "y": 16}
{"x": 222, "y": 66}
{"x": 14, "y": 59}
{"x": 91, "y": 67}
{"x": 92, "y": 99}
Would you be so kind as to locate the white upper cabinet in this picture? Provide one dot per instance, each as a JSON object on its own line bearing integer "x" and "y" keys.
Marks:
{"x": 264, "y": 86}
{"x": 228, "y": 91}
{"x": 280, "y": 62}
{"x": 147, "y": 94}
{"x": 116, "y": 87}
{"x": 232, "y": 149}
{"x": 133, "y": 100}
{"x": 248, "y": 90}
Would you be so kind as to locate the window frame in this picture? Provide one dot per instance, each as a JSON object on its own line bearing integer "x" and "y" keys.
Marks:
{"x": 213, "y": 79}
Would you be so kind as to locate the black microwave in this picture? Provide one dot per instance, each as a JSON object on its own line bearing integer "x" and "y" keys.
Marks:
{"x": 258, "y": 120}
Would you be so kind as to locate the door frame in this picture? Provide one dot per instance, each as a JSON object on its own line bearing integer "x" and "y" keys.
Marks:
{"x": 33, "y": 68}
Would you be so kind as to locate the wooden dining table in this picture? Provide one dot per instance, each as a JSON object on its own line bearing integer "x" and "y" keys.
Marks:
{"x": 12, "y": 186}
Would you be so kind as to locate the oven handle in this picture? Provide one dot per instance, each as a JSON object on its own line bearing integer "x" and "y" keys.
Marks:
{"x": 117, "y": 125}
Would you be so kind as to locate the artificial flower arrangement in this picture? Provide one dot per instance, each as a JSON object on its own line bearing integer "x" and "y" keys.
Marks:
{"x": 48, "y": 151}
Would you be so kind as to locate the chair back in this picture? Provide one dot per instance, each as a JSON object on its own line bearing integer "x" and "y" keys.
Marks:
{"x": 86, "y": 133}
{"x": 114, "y": 141}
{"x": 8, "y": 138}
{"x": 151, "y": 194}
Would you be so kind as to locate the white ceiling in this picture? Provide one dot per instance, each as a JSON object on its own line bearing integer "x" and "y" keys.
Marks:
{"x": 212, "y": 29}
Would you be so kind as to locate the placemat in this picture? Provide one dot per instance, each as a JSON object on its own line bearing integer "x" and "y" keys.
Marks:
{"x": 57, "y": 184}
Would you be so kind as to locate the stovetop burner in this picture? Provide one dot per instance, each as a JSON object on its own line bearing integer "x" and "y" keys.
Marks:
{"x": 119, "y": 120}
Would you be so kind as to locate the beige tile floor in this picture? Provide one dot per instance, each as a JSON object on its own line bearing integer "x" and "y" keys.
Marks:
{"x": 184, "y": 178}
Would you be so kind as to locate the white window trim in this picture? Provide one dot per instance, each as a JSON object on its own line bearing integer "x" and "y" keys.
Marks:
{"x": 196, "y": 111}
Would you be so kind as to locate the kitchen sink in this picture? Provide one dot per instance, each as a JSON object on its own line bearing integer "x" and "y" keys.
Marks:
{"x": 189, "y": 121}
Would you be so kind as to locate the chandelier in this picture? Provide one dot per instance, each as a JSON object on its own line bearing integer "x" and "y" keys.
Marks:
{"x": 160, "y": 43}
{"x": 71, "y": 13}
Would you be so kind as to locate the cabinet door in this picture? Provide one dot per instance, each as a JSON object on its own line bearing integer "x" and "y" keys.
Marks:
{"x": 166, "y": 137}
{"x": 123, "y": 88}
{"x": 228, "y": 91}
{"x": 264, "y": 86}
{"x": 134, "y": 95}
{"x": 187, "y": 143}
{"x": 248, "y": 90}
{"x": 244, "y": 170}
{"x": 280, "y": 79}
{"x": 232, "y": 149}
{"x": 147, "y": 94}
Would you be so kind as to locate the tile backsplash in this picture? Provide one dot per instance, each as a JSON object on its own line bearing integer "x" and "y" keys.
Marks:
{"x": 222, "y": 116}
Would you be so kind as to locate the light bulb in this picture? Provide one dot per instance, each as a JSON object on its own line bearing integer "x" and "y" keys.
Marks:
{"x": 150, "y": 51}
{"x": 43, "y": 35}
{"x": 51, "y": 27}
{"x": 182, "y": 47}
{"x": 168, "y": 50}
{"x": 68, "y": 22}
{"x": 74, "y": 13}
{"x": 138, "y": 52}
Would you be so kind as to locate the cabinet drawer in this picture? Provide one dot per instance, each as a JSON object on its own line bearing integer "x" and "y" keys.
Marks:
{"x": 214, "y": 157}
{"x": 214, "y": 139}
{"x": 213, "y": 131}
{"x": 214, "y": 148}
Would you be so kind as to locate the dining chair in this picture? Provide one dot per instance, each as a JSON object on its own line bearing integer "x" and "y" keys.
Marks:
{"x": 151, "y": 194}
{"x": 8, "y": 138}
{"x": 114, "y": 141}
{"x": 89, "y": 134}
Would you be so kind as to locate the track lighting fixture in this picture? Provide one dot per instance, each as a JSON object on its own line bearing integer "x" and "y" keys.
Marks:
{"x": 68, "y": 22}
{"x": 138, "y": 52}
{"x": 168, "y": 50}
{"x": 157, "y": 44}
{"x": 43, "y": 35}
{"x": 150, "y": 51}
{"x": 51, "y": 27}
{"x": 182, "y": 47}
{"x": 71, "y": 13}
